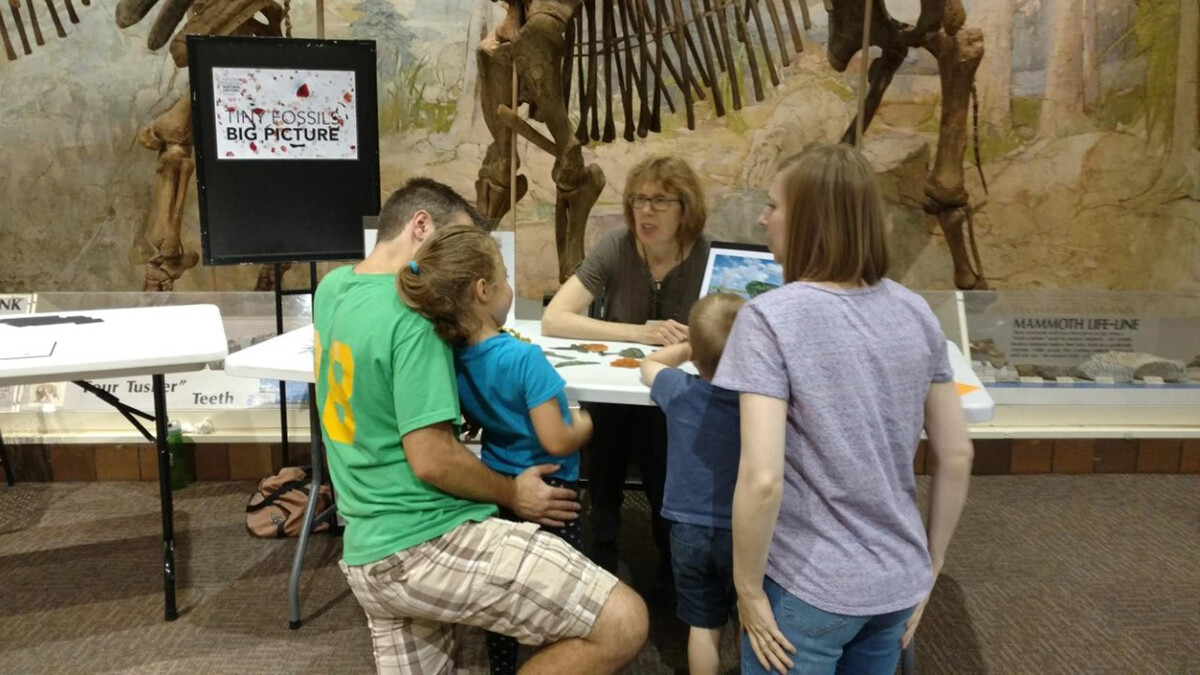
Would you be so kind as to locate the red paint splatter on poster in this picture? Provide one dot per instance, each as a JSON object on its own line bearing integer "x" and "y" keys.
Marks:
{"x": 302, "y": 92}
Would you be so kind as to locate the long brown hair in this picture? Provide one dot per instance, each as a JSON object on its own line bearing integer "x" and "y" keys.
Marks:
{"x": 835, "y": 228}
{"x": 676, "y": 176}
{"x": 440, "y": 281}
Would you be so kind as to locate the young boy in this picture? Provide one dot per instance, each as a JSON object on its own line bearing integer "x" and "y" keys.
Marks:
{"x": 703, "y": 448}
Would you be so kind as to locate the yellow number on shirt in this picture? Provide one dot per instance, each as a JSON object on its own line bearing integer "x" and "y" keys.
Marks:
{"x": 340, "y": 428}
{"x": 316, "y": 353}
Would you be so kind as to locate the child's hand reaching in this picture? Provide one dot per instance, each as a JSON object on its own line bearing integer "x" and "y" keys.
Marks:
{"x": 558, "y": 436}
{"x": 581, "y": 425}
{"x": 667, "y": 357}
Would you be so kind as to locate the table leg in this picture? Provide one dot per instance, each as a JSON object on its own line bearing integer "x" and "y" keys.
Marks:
{"x": 317, "y": 458}
{"x": 164, "y": 492}
{"x": 7, "y": 462}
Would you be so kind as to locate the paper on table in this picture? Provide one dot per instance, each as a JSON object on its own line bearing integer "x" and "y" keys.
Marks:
{"x": 26, "y": 348}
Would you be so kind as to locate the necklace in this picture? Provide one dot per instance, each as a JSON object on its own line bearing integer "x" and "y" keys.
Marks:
{"x": 657, "y": 281}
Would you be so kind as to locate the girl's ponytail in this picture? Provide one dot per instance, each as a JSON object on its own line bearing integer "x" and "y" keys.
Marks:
{"x": 439, "y": 281}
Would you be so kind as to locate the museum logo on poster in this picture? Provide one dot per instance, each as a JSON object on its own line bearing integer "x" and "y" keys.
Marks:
{"x": 268, "y": 113}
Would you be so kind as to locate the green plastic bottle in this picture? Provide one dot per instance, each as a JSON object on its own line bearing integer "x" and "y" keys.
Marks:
{"x": 178, "y": 450}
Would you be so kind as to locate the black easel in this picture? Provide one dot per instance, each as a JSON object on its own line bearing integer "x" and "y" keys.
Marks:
{"x": 312, "y": 396}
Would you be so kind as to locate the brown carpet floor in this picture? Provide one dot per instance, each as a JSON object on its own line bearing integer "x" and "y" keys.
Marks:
{"x": 1047, "y": 574}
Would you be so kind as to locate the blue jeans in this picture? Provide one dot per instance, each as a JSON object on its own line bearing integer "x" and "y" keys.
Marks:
{"x": 702, "y": 559}
{"x": 832, "y": 643}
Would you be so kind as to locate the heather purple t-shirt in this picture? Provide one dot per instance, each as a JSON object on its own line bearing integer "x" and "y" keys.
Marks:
{"x": 855, "y": 367}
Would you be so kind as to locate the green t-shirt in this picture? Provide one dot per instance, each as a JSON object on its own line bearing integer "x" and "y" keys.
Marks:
{"x": 381, "y": 373}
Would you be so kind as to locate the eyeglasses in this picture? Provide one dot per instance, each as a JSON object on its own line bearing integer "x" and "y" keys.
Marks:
{"x": 656, "y": 203}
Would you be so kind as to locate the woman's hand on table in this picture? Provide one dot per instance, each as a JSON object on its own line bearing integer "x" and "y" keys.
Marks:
{"x": 667, "y": 332}
{"x": 769, "y": 645}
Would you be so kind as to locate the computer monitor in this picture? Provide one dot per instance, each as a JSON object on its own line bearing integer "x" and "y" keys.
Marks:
{"x": 743, "y": 269}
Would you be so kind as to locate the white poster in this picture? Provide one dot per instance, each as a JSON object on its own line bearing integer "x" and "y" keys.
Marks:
{"x": 507, "y": 241}
{"x": 198, "y": 390}
{"x": 267, "y": 113}
{"x": 1067, "y": 340}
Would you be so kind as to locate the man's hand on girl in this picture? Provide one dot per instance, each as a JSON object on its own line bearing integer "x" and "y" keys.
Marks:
{"x": 541, "y": 503}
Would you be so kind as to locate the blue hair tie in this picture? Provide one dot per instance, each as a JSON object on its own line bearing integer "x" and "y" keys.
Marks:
{"x": 412, "y": 265}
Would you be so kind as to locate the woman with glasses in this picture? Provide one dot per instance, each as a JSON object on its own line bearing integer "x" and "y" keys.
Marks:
{"x": 647, "y": 275}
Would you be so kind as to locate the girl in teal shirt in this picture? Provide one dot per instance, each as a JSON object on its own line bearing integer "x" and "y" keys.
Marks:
{"x": 506, "y": 387}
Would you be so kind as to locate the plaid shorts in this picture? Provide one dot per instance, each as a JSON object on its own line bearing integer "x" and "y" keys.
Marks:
{"x": 498, "y": 575}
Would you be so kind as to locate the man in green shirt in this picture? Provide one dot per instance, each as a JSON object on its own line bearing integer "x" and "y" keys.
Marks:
{"x": 421, "y": 551}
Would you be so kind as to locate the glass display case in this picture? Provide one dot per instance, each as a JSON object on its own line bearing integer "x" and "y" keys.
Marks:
{"x": 1087, "y": 357}
{"x": 235, "y": 408}
{"x": 1056, "y": 364}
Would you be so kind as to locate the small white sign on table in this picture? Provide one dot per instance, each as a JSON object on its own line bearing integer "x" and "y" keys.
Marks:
{"x": 507, "y": 241}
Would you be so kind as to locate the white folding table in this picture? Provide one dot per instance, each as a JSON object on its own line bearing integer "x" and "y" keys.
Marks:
{"x": 609, "y": 384}
{"x": 82, "y": 345}
{"x": 289, "y": 357}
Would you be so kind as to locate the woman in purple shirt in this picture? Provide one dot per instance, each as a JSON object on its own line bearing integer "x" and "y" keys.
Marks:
{"x": 838, "y": 373}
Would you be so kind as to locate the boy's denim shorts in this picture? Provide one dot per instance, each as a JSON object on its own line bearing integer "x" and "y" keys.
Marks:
{"x": 702, "y": 560}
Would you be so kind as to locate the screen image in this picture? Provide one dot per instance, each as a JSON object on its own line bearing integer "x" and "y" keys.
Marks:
{"x": 747, "y": 270}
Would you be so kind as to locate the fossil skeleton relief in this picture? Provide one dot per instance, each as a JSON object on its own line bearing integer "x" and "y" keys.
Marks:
{"x": 640, "y": 54}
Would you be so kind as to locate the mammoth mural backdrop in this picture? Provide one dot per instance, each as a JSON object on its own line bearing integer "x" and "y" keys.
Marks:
{"x": 1086, "y": 134}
